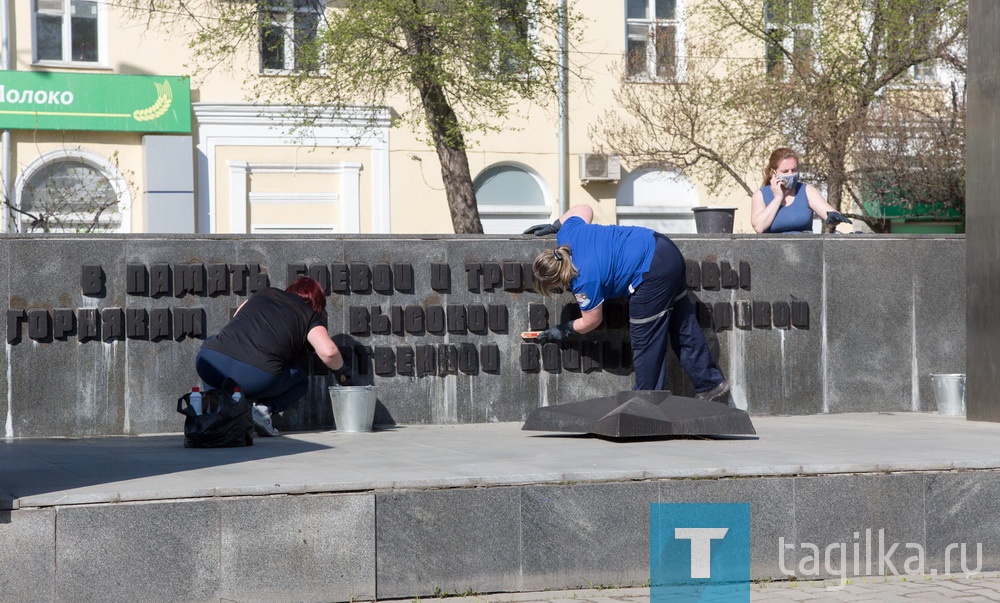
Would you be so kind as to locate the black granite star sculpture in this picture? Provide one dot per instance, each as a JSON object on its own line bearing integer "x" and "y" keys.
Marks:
{"x": 642, "y": 414}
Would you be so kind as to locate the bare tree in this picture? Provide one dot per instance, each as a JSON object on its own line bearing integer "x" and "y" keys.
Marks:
{"x": 911, "y": 160}
{"x": 692, "y": 124}
{"x": 827, "y": 69}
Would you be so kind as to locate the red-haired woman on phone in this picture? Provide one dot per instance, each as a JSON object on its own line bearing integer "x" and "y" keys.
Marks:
{"x": 259, "y": 349}
{"x": 784, "y": 203}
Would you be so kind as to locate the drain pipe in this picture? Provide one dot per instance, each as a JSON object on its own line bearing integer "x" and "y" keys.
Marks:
{"x": 5, "y": 145}
{"x": 563, "y": 108}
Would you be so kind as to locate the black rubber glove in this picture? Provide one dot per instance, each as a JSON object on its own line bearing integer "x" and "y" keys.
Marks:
{"x": 835, "y": 217}
{"x": 557, "y": 333}
{"x": 343, "y": 376}
{"x": 540, "y": 230}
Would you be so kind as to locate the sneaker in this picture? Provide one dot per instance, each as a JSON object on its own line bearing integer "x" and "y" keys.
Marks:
{"x": 262, "y": 419}
{"x": 718, "y": 393}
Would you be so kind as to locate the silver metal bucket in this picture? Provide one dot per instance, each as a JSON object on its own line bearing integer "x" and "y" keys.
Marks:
{"x": 949, "y": 391}
{"x": 353, "y": 407}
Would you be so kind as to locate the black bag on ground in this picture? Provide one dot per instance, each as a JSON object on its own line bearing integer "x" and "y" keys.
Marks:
{"x": 224, "y": 422}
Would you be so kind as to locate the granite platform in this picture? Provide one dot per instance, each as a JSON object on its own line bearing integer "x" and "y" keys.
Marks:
{"x": 411, "y": 511}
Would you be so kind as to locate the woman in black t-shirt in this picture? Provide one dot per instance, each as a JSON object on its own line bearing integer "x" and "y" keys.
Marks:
{"x": 259, "y": 349}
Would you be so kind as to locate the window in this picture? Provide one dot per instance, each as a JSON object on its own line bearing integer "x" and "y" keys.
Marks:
{"x": 913, "y": 32}
{"x": 924, "y": 32}
{"x": 68, "y": 31}
{"x": 790, "y": 34}
{"x": 925, "y": 72}
{"x": 657, "y": 199}
{"x": 509, "y": 33}
{"x": 507, "y": 185}
{"x": 514, "y": 26}
{"x": 510, "y": 198}
{"x": 70, "y": 196}
{"x": 654, "y": 39}
{"x": 288, "y": 31}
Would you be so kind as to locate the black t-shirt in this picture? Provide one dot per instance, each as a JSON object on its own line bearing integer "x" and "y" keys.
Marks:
{"x": 269, "y": 332}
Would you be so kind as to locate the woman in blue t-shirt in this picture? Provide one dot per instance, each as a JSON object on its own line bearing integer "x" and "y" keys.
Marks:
{"x": 797, "y": 201}
{"x": 597, "y": 263}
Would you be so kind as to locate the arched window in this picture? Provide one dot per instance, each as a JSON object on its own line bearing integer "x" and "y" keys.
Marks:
{"x": 70, "y": 192}
{"x": 657, "y": 199}
{"x": 510, "y": 198}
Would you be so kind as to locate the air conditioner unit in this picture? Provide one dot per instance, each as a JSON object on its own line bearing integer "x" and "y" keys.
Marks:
{"x": 598, "y": 167}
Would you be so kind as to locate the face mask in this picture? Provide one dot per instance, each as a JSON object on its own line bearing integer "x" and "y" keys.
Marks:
{"x": 790, "y": 180}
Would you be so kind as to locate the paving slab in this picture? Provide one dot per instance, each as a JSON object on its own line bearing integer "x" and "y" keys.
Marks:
{"x": 64, "y": 471}
{"x": 982, "y": 587}
{"x": 435, "y": 484}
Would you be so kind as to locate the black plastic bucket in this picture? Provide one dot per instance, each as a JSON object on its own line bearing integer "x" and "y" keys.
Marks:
{"x": 713, "y": 219}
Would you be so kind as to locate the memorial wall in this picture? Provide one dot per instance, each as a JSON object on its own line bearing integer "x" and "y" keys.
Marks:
{"x": 983, "y": 210}
{"x": 102, "y": 332}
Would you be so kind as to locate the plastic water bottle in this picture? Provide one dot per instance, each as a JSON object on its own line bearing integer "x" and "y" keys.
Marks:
{"x": 195, "y": 400}
{"x": 237, "y": 395}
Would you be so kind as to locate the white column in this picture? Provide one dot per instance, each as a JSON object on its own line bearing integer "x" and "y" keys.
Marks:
{"x": 381, "y": 223}
{"x": 239, "y": 198}
{"x": 350, "y": 197}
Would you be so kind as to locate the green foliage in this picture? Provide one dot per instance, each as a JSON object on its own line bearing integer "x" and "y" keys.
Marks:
{"x": 447, "y": 68}
{"x": 485, "y": 55}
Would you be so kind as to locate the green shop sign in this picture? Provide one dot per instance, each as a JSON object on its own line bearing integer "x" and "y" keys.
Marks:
{"x": 35, "y": 100}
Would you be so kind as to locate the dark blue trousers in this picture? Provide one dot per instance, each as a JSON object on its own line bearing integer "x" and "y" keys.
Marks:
{"x": 660, "y": 314}
{"x": 277, "y": 392}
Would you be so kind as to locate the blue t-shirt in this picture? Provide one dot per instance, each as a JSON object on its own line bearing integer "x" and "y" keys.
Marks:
{"x": 796, "y": 217}
{"x": 610, "y": 259}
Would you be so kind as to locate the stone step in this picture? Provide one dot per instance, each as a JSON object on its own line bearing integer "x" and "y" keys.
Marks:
{"x": 419, "y": 510}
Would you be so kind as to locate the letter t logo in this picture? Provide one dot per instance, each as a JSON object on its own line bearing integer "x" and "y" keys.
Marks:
{"x": 701, "y": 547}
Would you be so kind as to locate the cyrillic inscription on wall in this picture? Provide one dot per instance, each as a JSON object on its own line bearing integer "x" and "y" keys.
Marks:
{"x": 487, "y": 324}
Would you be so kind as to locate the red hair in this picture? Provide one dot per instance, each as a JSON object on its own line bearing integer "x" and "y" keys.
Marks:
{"x": 309, "y": 290}
{"x": 777, "y": 157}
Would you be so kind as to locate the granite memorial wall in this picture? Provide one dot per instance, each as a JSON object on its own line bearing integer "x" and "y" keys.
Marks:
{"x": 982, "y": 209}
{"x": 102, "y": 332}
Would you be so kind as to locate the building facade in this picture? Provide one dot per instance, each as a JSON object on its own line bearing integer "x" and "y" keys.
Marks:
{"x": 225, "y": 164}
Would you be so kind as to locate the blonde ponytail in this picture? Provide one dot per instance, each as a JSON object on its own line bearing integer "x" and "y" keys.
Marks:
{"x": 554, "y": 270}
